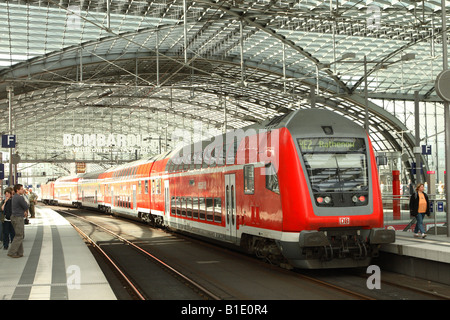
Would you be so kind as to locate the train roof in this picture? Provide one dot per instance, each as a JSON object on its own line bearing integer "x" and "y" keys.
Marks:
{"x": 68, "y": 178}
{"x": 91, "y": 175}
{"x": 305, "y": 121}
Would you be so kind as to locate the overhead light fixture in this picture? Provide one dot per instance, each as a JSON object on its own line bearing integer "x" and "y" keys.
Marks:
{"x": 408, "y": 57}
{"x": 348, "y": 55}
{"x": 322, "y": 66}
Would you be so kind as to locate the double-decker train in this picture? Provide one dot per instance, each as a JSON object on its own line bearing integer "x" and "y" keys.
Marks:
{"x": 301, "y": 187}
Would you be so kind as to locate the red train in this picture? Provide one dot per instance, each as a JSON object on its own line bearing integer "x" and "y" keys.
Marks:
{"x": 301, "y": 187}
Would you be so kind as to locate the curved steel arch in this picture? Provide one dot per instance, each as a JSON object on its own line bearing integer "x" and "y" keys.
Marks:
{"x": 64, "y": 65}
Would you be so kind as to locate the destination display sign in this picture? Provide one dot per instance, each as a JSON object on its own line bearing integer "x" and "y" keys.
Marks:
{"x": 308, "y": 145}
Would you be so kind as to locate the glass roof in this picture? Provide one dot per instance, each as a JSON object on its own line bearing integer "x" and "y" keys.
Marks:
{"x": 87, "y": 66}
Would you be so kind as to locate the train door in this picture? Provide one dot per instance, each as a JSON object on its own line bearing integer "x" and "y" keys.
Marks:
{"x": 166, "y": 199}
{"x": 230, "y": 206}
{"x": 113, "y": 204}
{"x": 134, "y": 196}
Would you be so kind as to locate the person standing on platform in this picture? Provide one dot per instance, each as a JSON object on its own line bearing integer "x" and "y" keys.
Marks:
{"x": 2, "y": 219}
{"x": 419, "y": 206}
{"x": 32, "y": 197}
{"x": 25, "y": 196}
{"x": 410, "y": 187}
{"x": 8, "y": 230}
{"x": 19, "y": 211}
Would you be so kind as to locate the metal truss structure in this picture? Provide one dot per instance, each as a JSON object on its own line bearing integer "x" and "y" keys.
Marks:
{"x": 148, "y": 68}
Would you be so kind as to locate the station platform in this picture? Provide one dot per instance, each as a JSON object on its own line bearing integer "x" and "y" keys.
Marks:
{"x": 56, "y": 265}
{"x": 427, "y": 258}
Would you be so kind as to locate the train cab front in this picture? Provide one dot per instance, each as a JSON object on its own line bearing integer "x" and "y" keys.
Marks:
{"x": 341, "y": 215}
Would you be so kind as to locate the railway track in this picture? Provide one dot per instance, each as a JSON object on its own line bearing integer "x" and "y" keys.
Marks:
{"x": 392, "y": 286}
{"x": 344, "y": 284}
{"x": 124, "y": 259}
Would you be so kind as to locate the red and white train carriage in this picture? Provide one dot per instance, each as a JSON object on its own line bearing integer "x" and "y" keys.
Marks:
{"x": 66, "y": 190}
{"x": 48, "y": 192}
{"x": 301, "y": 187}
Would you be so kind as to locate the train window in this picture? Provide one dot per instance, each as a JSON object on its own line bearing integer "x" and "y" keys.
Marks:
{"x": 230, "y": 152}
{"x": 198, "y": 160}
{"x": 209, "y": 209}
{"x": 272, "y": 178}
{"x": 195, "y": 207}
{"x": 213, "y": 159}
{"x": 192, "y": 164}
{"x": 178, "y": 206}
{"x": 218, "y": 210}
{"x": 202, "y": 208}
{"x": 335, "y": 164}
{"x": 139, "y": 187}
{"x": 206, "y": 159}
{"x": 170, "y": 166}
{"x": 158, "y": 186}
{"x": 233, "y": 207}
{"x": 182, "y": 165}
{"x": 146, "y": 186}
{"x": 153, "y": 186}
{"x": 224, "y": 152}
{"x": 186, "y": 162}
{"x": 220, "y": 155}
{"x": 227, "y": 202}
{"x": 249, "y": 179}
{"x": 224, "y": 155}
{"x": 183, "y": 206}
{"x": 173, "y": 205}
{"x": 189, "y": 207}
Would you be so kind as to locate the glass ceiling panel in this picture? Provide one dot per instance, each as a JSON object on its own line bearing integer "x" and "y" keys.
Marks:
{"x": 289, "y": 46}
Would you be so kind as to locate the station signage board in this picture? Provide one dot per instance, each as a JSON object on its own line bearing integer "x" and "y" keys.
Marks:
{"x": 8, "y": 141}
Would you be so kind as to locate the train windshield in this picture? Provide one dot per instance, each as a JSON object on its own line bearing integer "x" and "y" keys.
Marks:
{"x": 335, "y": 164}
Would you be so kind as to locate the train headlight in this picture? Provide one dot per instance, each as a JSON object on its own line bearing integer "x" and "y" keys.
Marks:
{"x": 359, "y": 198}
{"x": 324, "y": 200}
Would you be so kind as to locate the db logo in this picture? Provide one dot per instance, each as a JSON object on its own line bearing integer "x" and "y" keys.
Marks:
{"x": 344, "y": 220}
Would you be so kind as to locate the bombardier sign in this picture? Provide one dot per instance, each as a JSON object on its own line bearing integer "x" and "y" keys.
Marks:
{"x": 125, "y": 143}
{"x": 102, "y": 140}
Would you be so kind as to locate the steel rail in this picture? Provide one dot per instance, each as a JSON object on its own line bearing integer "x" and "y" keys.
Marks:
{"x": 327, "y": 284}
{"x": 106, "y": 256}
{"x": 165, "y": 265}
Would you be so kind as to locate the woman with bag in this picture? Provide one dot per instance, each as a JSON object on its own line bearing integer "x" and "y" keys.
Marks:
{"x": 419, "y": 206}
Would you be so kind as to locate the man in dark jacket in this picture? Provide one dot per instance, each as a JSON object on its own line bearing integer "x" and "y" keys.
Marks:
{"x": 19, "y": 211}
